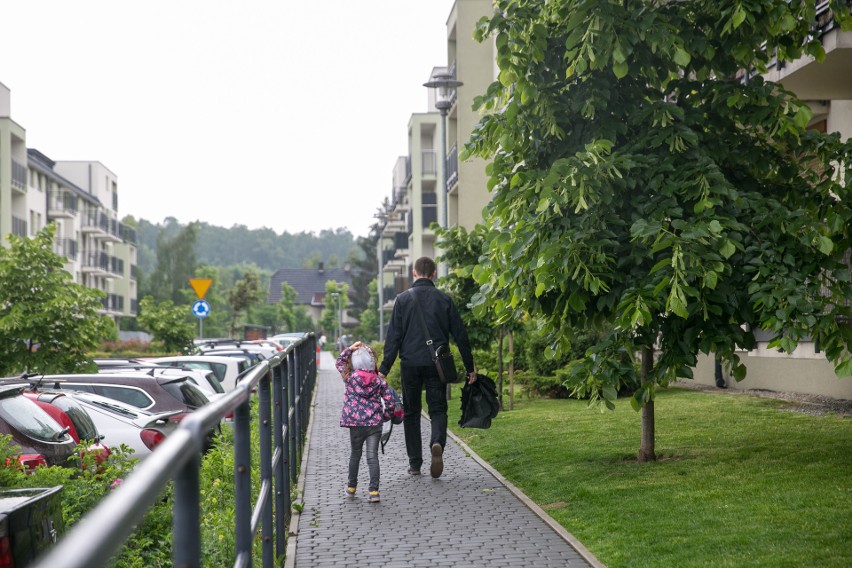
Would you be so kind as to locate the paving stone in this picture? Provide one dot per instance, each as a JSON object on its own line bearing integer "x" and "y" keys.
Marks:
{"x": 464, "y": 518}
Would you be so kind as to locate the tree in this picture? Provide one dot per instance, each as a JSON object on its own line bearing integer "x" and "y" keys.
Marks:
{"x": 176, "y": 264}
{"x": 288, "y": 316}
{"x": 368, "y": 322}
{"x": 364, "y": 268}
{"x": 461, "y": 253}
{"x": 641, "y": 181}
{"x": 167, "y": 323}
{"x": 242, "y": 297}
{"x": 334, "y": 306}
{"x": 48, "y": 323}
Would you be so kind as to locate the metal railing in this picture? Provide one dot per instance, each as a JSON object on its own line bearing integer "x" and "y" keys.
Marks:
{"x": 284, "y": 386}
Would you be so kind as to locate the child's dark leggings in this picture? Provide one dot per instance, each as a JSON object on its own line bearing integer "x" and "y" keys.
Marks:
{"x": 357, "y": 436}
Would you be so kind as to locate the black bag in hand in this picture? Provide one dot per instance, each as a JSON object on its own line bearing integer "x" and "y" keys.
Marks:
{"x": 445, "y": 364}
{"x": 479, "y": 403}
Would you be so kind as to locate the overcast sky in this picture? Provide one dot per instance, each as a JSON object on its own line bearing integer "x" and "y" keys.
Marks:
{"x": 265, "y": 113}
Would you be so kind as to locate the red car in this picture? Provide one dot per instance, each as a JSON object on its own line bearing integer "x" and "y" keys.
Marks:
{"x": 42, "y": 441}
{"x": 70, "y": 414}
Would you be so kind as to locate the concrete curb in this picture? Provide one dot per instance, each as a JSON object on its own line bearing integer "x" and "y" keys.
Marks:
{"x": 293, "y": 529}
{"x": 532, "y": 506}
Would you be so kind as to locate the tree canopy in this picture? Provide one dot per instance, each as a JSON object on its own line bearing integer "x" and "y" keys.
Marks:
{"x": 647, "y": 177}
{"x": 48, "y": 323}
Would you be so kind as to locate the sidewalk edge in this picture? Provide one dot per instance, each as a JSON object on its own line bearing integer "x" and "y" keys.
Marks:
{"x": 293, "y": 527}
{"x": 532, "y": 506}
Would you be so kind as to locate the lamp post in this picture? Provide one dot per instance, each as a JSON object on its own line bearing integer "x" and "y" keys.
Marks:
{"x": 337, "y": 299}
{"x": 444, "y": 82}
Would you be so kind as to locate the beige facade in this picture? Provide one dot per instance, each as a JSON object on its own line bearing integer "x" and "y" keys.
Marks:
{"x": 827, "y": 87}
{"x": 81, "y": 198}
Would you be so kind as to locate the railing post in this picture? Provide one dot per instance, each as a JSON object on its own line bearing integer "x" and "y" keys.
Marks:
{"x": 242, "y": 480}
{"x": 282, "y": 489}
{"x": 291, "y": 411}
{"x": 265, "y": 418}
{"x": 300, "y": 402}
{"x": 186, "y": 515}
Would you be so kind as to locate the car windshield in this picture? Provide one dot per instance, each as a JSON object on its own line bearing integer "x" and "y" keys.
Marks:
{"x": 26, "y": 416}
{"x": 187, "y": 393}
{"x": 86, "y": 429}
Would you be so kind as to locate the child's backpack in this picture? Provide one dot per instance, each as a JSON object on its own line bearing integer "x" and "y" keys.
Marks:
{"x": 393, "y": 414}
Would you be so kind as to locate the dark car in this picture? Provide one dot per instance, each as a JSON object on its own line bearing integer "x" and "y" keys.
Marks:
{"x": 43, "y": 441}
{"x": 139, "y": 389}
{"x": 30, "y": 523}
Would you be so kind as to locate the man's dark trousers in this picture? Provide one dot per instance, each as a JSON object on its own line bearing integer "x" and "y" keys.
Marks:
{"x": 414, "y": 379}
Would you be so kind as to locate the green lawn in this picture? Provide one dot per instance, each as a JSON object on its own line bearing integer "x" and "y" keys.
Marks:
{"x": 740, "y": 481}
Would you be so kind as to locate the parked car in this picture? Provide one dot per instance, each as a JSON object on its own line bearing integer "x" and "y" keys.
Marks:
{"x": 31, "y": 521}
{"x": 122, "y": 423}
{"x": 227, "y": 369}
{"x": 71, "y": 415}
{"x": 265, "y": 351}
{"x": 268, "y": 343}
{"x": 204, "y": 379}
{"x": 253, "y": 358}
{"x": 43, "y": 441}
{"x": 288, "y": 339}
{"x": 139, "y": 389}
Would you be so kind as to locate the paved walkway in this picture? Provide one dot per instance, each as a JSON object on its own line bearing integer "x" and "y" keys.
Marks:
{"x": 469, "y": 517}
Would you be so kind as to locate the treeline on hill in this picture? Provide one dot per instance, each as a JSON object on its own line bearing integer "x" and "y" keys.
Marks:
{"x": 240, "y": 262}
{"x": 239, "y": 245}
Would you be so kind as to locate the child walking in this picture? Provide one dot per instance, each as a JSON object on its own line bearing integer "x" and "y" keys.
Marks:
{"x": 363, "y": 412}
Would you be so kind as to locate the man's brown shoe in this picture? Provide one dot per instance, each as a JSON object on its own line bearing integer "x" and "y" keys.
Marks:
{"x": 437, "y": 467}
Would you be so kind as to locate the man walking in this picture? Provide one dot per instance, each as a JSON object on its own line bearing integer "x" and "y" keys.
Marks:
{"x": 407, "y": 339}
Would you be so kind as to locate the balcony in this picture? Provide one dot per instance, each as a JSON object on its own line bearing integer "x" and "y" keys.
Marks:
{"x": 19, "y": 227}
{"x": 62, "y": 204}
{"x": 95, "y": 222}
{"x": 829, "y": 80}
{"x": 127, "y": 233}
{"x": 97, "y": 262}
{"x": 113, "y": 303}
{"x": 19, "y": 177}
{"x": 133, "y": 272}
{"x": 429, "y": 210}
{"x": 452, "y": 167}
{"x": 66, "y": 248}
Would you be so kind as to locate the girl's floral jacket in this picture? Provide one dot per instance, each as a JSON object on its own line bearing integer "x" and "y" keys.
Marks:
{"x": 362, "y": 399}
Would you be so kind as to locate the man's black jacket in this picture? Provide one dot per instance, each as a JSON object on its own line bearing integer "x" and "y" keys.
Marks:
{"x": 405, "y": 335}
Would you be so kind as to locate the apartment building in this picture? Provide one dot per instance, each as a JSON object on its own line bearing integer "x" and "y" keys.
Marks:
{"x": 81, "y": 198}
{"x": 429, "y": 184}
{"x": 827, "y": 88}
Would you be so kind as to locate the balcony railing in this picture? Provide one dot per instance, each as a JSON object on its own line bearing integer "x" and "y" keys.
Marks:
{"x": 19, "y": 176}
{"x": 66, "y": 248}
{"x": 453, "y": 166}
{"x": 127, "y": 233}
{"x": 133, "y": 272}
{"x": 19, "y": 226}
{"x": 97, "y": 260}
{"x": 62, "y": 201}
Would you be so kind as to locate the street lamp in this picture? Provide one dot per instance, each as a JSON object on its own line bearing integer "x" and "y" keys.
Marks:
{"x": 444, "y": 82}
{"x": 337, "y": 299}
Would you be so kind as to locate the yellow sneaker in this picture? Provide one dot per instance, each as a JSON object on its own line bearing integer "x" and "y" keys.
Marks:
{"x": 350, "y": 492}
{"x": 374, "y": 497}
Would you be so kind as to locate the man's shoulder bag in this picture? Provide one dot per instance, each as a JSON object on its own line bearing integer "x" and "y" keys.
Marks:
{"x": 441, "y": 354}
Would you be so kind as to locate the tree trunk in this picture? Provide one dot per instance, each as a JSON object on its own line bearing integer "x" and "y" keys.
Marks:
{"x": 646, "y": 450}
{"x": 500, "y": 367}
{"x": 511, "y": 370}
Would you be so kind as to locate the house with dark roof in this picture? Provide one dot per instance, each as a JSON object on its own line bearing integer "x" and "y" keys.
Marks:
{"x": 309, "y": 284}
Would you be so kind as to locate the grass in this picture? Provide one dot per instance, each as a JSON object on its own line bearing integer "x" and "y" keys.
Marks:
{"x": 739, "y": 480}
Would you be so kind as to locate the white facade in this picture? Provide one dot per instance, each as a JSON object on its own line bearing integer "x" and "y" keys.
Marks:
{"x": 81, "y": 198}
